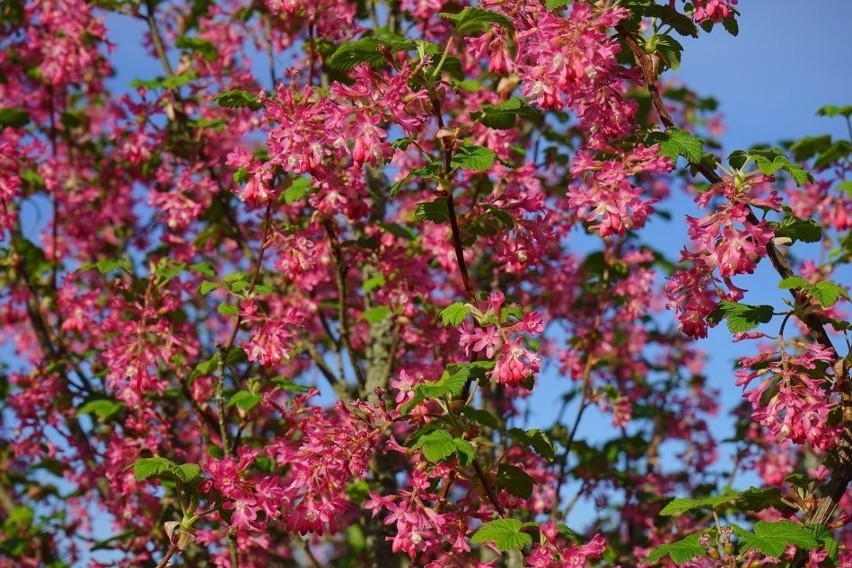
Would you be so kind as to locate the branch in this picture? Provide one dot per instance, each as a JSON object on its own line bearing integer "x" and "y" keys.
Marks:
{"x": 842, "y": 471}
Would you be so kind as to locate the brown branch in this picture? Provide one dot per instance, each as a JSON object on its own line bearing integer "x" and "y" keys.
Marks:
{"x": 842, "y": 471}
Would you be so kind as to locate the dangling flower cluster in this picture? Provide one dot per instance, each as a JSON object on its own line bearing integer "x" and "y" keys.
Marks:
{"x": 567, "y": 61}
{"x": 274, "y": 335}
{"x": 335, "y": 448}
{"x": 726, "y": 240}
{"x": 607, "y": 198}
{"x": 793, "y": 399}
{"x": 713, "y": 10}
{"x": 10, "y": 180}
{"x": 515, "y": 363}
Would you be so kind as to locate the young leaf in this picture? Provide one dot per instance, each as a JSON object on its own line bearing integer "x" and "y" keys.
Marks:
{"x": 481, "y": 416}
{"x": 506, "y": 534}
{"x": 146, "y": 468}
{"x": 437, "y": 445}
{"x": 454, "y": 314}
{"x": 827, "y": 293}
{"x": 676, "y": 142}
{"x": 245, "y": 400}
{"x": 298, "y": 189}
{"x": 376, "y": 314}
{"x": 684, "y": 504}
{"x": 680, "y": 551}
{"x": 478, "y": 158}
{"x": 465, "y": 452}
{"x": 535, "y": 439}
{"x": 772, "y": 538}
{"x": 805, "y": 230}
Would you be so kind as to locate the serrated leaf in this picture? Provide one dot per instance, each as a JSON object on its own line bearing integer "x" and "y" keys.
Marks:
{"x": 679, "y": 142}
{"x": 827, "y": 293}
{"x": 350, "y": 54}
{"x": 103, "y": 408}
{"x": 515, "y": 480}
{"x": 535, "y": 439}
{"x": 373, "y": 282}
{"x": 435, "y": 211}
{"x": 451, "y": 383}
{"x": 110, "y": 265}
{"x": 477, "y": 158}
{"x": 670, "y": 49}
{"x": 245, "y": 400}
{"x": 147, "y": 468}
{"x": 376, "y": 314}
{"x": 204, "y": 269}
{"x": 793, "y": 282}
{"x": 682, "y": 505}
{"x": 772, "y": 538}
{"x": 472, "y": 20}
{"x": 202, "y": 46}
{"x": 187, "y": 472}
{"x": 805, "y": 230}
{"x": 834, "y": 110}
{"x": 760, "y": 498}
{"x": 465, "y": 452}
{"x": 741, "y": 317}
{"x": 437, "y": 445}
{"x": 454, "y": 314}
{"x": 237, "y": 98}
{"x": 506, "y": 534}
{"x": 680, "y": 551}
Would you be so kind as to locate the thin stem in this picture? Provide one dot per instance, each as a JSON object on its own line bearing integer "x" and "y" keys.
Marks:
{"x": 169, "y": 553}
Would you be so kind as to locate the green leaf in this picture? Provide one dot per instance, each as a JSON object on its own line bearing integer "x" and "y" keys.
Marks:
{"x": 103, "y": 408}
{"x": 207, "y": 286}
{"x": 838, "y": 150}
{"x": 288, "y": 385}
{"x": 187, "y": 472}
{"x": 298, "y": 189}
{"x": 772, "y": 538}
{"x": 535, "y": 439}
{"x": 245, "y": 400}
{"x": 376, "y": 314}
{"x": 454, "y": 314}
{"x": 515, "y": 480}
{"x": 731, "y": 26}
{"x": 228, "y": 309}
{"x": 477, "y": 158}
{"x": 110, "y": 265}
{"x": 827, "y": 293}
{"x": 503, "y": 116}
{"x": 670, "y": 49}
{"x": 506, "y": 534}
{"x": 833, "y": 110}
{"x": 435, "y": 211}
{"x": 741, "y": 317}
{"x": 481, "y": 416}
{"x": 676, "y": 142}
{"x": 437, "y": 445}
{"x": 237, "y": 98}
{"x": 451, "y": 383}
{"x": 376, "y": 281}
{"x": 682, "y": 505}
{"x": 351, "y": 53}
{"x": 146, "y": 468}
{"x": 203, "y": 47}
{"x": 680, "y": 551}
{"x": 465, "y": 452}
{"x": 204, "y": 269}
{"x": 805, "y": 230}
{"x": 13, "y": 117}
{"x": 472, "y": 20}
{"x": 760, "y": 498}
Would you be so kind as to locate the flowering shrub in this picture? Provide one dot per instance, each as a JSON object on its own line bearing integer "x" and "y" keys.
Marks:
{"x": 285, "y": 303}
